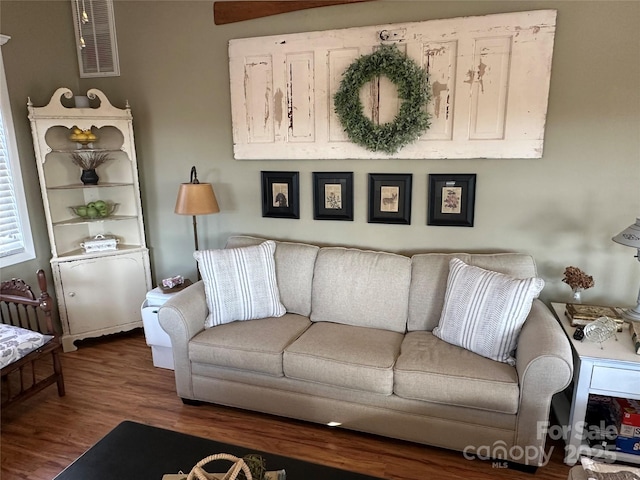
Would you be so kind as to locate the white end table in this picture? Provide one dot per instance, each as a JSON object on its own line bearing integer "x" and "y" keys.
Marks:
{"x": 613, "y": 370}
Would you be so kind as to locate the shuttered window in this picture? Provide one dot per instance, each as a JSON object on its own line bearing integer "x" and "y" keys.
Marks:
{"x": 16, "y": 244}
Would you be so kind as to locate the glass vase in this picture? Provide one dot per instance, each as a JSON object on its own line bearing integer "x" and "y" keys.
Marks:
{"x": 577, "y": 295}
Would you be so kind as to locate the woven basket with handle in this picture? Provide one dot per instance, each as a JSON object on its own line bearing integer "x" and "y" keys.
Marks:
{"x": 199, "y": 473}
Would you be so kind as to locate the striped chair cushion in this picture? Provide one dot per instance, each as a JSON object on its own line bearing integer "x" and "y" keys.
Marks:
{"x": 484, "y": 311}
{"x": 240, "y": 283}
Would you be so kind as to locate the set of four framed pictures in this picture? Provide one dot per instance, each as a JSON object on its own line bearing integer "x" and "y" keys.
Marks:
{"x": 451, "y": 197}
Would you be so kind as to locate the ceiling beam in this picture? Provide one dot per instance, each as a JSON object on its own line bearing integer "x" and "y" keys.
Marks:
{"x": 231, "y": 11}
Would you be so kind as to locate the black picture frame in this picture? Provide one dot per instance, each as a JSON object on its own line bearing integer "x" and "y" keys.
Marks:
{"x": 333, "y": 196}
{"x": 390, "y": 198}
{"x": 451, "y": 200}
{"x": 281, "y": 194}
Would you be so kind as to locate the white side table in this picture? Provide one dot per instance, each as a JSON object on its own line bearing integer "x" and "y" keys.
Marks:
{"x": 156, "y": 337}
{"x": 613, "y": 370}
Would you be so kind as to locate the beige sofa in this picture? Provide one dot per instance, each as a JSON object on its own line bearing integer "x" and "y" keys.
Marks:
{"x": 355, "y": 348}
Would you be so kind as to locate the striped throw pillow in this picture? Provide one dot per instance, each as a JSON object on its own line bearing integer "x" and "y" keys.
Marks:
{"x": 240, "y": 283}
{"x": 484, "y": 311}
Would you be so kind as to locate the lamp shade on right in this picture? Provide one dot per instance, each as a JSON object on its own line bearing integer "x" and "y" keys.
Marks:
{"x": 630, "y": 236}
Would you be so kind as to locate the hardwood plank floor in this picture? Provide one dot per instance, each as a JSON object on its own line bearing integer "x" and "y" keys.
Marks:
{"x": 113, "y": 379}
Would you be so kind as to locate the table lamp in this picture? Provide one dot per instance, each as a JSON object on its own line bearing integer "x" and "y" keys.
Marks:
{"x": 195, "y": 198}
{"x": 630, "y": 237}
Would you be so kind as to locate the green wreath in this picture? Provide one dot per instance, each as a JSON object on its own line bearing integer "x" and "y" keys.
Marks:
{"x": 412, "y": 119}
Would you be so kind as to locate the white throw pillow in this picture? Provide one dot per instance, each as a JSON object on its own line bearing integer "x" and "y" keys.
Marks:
{"x": 240, "y": 283}
{"x": 484, "y": 311}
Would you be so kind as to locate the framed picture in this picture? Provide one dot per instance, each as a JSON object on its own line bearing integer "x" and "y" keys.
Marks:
{"x": 333, "y": 196}
{"x": 281, "y": 194}
{"x": 390, "y": 198}
{"x": 451, "y": 200}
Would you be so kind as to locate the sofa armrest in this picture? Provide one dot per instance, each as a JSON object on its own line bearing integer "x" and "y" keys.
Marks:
{"x": 183, "y": 317}
{"x": 545, "y": 366}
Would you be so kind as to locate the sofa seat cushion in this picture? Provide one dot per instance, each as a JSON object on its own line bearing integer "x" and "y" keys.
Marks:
{"x": 358, "y": 358}
{"x": 254, "y": 345}
{"x": 433, "y": 370}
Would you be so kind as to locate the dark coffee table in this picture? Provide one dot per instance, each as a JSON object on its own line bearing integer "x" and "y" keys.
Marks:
{"x": 141, "y": 452}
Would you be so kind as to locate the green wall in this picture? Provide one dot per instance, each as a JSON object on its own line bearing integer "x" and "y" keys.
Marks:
{"x": 563, "y": 208}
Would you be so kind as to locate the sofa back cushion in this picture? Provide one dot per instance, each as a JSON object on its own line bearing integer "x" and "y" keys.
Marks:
{"x": 429, "y": 274}
{"x": 294, "y": 271}
{"x": 361, "y": 288}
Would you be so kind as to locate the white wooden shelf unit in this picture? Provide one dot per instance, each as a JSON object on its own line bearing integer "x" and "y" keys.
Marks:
{"x": 98, "y": 293}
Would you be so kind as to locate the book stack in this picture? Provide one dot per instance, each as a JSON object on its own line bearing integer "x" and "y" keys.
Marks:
{"x": 628, "y": 414}
{"x": 580, "y": 315}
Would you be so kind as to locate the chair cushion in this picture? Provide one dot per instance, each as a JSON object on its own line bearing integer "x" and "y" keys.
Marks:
{"x": 358, "y": 358}
{"x": 240, "y": 283}
{"x": 16, "y": 342}
{"x": 254, "y": 345}
{"x": 484, "y": 310}
{"x": 432, "y": 370}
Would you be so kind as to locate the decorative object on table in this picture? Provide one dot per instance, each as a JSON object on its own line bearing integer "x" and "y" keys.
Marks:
{"x": 333, "y": 196}
{"x": 100, "y": 243}
{"x": 177, "y": 288}
{"x": 249, "y": 467}
{"x": 390, "y": 198}
{"x": 630, "y": 237}
{"x": 281, "y": 194}
{"x": 601, "y": 330}
{"x": 578, "y": 334}
{"x": 578, "y": 281}
{"x": 413, "y": 88}
{"x": 100, "y": 209}
{"x": 172, "y": 282}
{"x": 451, "y": 200}
{"x": 634, "y": 331}
{"x": 580, "y": 314}
{"x": 84, "y": 138}
{"x": 195, "y": 198}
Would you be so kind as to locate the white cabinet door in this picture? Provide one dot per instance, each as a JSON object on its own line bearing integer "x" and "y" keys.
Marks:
{"x": 101, "y": 295}
{"x": 489, "y": 78}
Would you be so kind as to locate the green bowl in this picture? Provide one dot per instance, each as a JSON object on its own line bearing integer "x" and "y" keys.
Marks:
{"x": 94, "y": 213}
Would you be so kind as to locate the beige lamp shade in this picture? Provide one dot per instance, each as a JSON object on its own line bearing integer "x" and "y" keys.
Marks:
{"x": 196, "y": 199}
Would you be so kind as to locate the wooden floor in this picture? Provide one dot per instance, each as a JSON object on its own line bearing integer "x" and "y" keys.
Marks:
{"x": 113, "y": 379}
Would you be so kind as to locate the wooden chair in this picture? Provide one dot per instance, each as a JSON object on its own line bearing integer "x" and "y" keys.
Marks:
{"x": 33, "y": 372}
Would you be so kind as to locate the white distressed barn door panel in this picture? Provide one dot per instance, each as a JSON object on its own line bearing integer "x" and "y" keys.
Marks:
{"x": 489, "y": 78}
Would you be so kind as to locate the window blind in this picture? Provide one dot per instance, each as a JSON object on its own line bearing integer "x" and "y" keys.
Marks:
{"x": 11, "y": 240}
{"x": 16, "y": 241}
